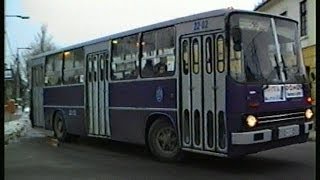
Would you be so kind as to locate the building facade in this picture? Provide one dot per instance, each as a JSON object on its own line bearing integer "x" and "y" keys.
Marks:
{"x": 303, "y": 11}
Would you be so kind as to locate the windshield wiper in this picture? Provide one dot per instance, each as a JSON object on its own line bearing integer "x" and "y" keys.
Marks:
{"x": 275, "y": 69}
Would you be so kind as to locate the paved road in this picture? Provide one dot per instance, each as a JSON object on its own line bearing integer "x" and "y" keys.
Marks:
{"x": 34, "y": 158}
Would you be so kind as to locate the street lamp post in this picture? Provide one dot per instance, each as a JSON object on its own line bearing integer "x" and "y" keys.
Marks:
{"x": 18, "y": 16}
{"x": 18, "y": 73}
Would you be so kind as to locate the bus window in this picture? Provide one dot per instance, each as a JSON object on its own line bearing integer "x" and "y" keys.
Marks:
{"x": 185, "y": 55}
{"x": 158, "y": 58}
{"x": 95, "y": 67}
{"x": 53, "y": 71}
{"x": 220, "y": 48}
{"x": 208, "y": 54}
{"x": 195, "y": 60}
{"x": 106, "y": 65}
{"x": 124, "y": 56}
{"x": 102, "y": 57}
{"x": 73, "y": 66}
{"x": 89, "y": 68}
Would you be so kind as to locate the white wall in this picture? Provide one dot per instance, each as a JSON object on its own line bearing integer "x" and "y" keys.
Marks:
{"x": 293, "y": 11}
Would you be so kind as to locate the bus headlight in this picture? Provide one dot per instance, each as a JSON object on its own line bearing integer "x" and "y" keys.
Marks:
{"x": 251, "y": 121}
{"x": 308, "y": 114}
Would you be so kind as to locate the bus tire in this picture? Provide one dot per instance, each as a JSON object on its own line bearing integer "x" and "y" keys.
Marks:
{"x": 163, "y": 141}
{"x": 59, "y": 128}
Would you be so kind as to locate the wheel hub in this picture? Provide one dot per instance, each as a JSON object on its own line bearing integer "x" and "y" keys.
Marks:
{"x": 167, "y": 140}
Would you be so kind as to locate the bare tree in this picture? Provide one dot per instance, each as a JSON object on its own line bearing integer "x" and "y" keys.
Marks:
{"x": 42, "y": 43}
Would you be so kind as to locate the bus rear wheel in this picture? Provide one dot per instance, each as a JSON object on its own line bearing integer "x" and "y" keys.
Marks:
{"x": 163, "y": 141}
{"x": 59, "y": 128}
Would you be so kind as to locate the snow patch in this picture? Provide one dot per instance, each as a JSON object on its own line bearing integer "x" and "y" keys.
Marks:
{"x": 19, "y": 128}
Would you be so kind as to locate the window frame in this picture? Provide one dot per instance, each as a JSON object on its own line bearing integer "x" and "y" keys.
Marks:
{"x": 123, "y": 61}
{"x": 303, "y": 18}
{"x": 157, "y": 55}
{"x": 74, "y": 67}
{"x": 54, "y": 71}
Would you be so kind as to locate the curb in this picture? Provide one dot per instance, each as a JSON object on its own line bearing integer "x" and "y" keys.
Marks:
{"x": 312, "y": 136}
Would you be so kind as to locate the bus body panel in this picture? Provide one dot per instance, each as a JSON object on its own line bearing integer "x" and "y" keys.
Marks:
{"x": 70, "y": 102}
{"x": 131, "y": 103}
{"x": 143, "y": 94}
{"x": 130, "y": 125}
{"x": 74, "y": 118}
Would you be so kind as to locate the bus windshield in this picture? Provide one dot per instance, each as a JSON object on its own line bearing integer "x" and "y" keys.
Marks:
{"x": 265, "y": 50}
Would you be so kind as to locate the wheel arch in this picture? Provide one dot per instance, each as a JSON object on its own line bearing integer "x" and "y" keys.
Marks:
{"x": 54, "y": 113}
{"x": 152, "y": 118}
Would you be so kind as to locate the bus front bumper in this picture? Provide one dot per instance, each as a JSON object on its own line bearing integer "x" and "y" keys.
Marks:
{"x": 266, "y": 135}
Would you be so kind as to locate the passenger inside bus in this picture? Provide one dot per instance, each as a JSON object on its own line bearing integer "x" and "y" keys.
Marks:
{"x": 161, "y": 67}
{"x": 147, "y": 70}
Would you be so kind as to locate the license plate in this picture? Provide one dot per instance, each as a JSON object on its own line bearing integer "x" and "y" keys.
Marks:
{"x": 288, "y": 131}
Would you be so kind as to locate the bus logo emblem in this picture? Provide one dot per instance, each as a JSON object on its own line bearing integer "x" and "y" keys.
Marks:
{"x": 159, "y": 94}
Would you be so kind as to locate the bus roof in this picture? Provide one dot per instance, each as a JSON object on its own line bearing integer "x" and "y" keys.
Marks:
{"x": 219, "y": 12}
{"x": 214, "y": 13}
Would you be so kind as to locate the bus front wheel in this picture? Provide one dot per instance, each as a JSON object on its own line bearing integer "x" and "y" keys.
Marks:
{"x": 163, "y": 141}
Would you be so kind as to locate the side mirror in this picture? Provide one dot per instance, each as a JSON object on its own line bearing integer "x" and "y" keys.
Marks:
{"x": 236, "y": 35}
{"x": 237, "y": 47}
{"x": 313, "y": 76}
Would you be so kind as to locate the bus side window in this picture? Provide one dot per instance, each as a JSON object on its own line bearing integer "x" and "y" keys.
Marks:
{"x": 124, "y": 57}
{"x": 53, "y": 70}
{"x": 73, "y": 66}
{"x": 158, "y": 58}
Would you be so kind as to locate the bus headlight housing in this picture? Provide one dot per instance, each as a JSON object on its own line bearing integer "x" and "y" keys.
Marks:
{"x": 251, "y": 121}
{"x": 308, "y": 114}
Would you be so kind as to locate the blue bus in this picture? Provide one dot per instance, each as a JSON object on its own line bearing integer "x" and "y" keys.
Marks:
{"x": 225, "y": 83}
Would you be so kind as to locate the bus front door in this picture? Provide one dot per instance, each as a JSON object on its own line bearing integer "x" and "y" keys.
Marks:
{"x": 198, "y": 122}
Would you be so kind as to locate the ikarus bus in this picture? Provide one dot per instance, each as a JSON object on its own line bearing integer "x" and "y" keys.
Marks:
{"x": 225, "y": 83}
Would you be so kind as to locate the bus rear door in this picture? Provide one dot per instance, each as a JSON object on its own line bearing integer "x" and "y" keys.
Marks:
{"x": 37, "y": 95}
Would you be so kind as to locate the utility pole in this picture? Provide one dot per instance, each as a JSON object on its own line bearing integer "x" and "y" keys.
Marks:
{"x": 17, "y": 78}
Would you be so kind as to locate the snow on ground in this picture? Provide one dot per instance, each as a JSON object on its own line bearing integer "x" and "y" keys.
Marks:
{"x": 13, "y": 130}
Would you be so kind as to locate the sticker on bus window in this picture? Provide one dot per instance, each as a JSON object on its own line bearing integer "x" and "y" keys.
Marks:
{"x": 170, "y": 63}
{"x": 274, "y": 93}
{"x": 294, "y": 90}
{"x": 46, "y": 79}
{"x": 81, "y": 78}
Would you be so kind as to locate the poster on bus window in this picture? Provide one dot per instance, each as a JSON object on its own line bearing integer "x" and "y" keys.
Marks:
{"x": 294, "y": 90}
{"x": 274, "y": 93}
